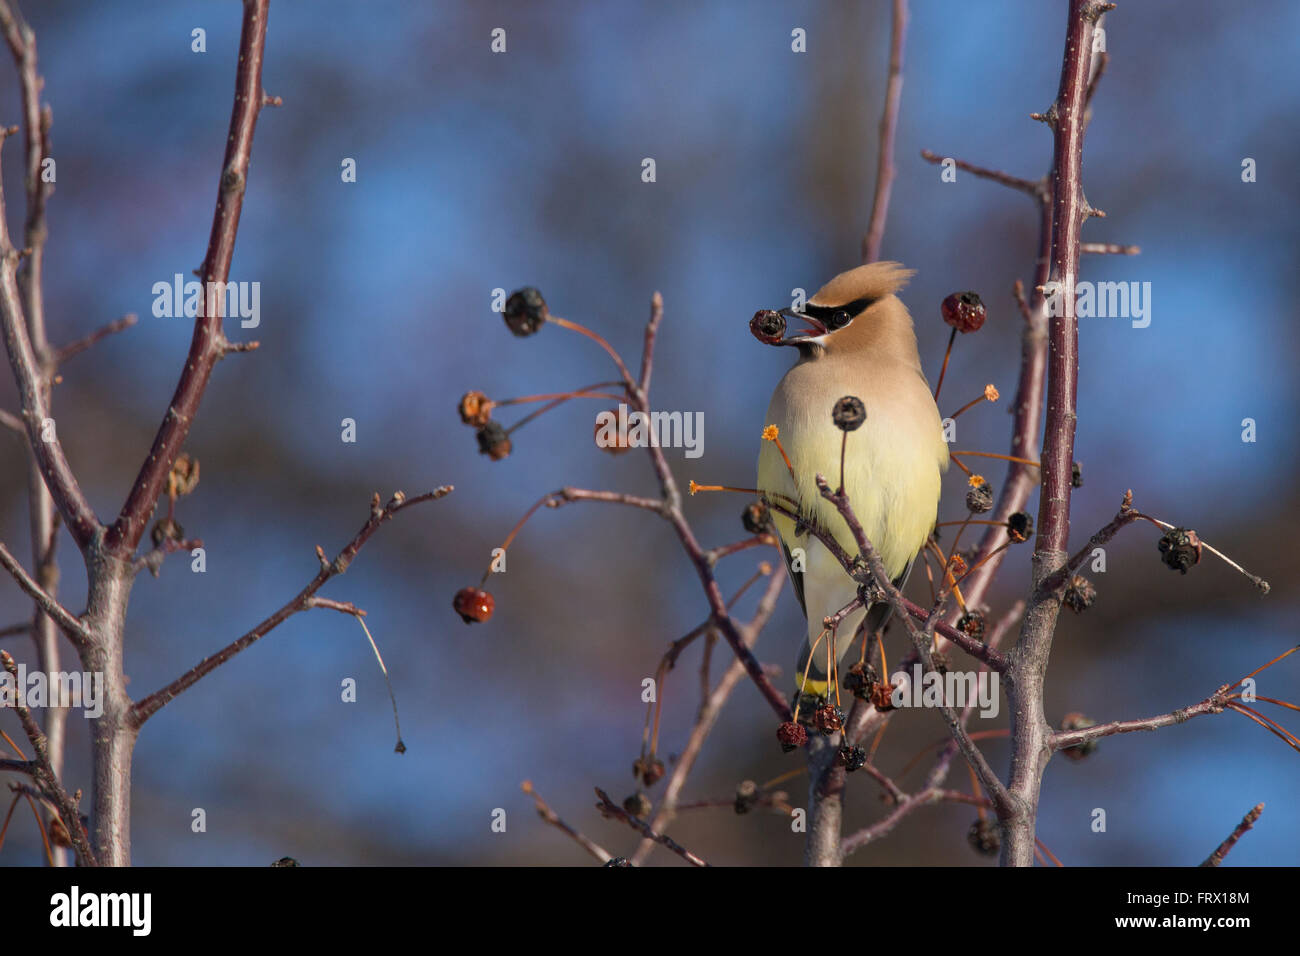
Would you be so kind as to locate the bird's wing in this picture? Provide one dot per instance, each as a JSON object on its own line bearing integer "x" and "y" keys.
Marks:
{"x": 796, "y": 578}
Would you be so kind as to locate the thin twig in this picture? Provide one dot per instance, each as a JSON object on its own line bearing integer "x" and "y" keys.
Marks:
{"x": 45, "y": 776}
{"x": 80, "y": 345}
{"x": 609, "y": 808}
{"x": 554, "y": 819}
{"x": 145, "y": 708}
{"x": 1248, "y": 821}
{"x": 71, "y": 625}
{"x": 885, "y": 171}
{"x": 209, "y": 342}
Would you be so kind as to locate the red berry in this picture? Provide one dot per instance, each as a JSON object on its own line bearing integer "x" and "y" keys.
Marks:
{"x": 473, "y": 605}
{"x": 963, "y": 311}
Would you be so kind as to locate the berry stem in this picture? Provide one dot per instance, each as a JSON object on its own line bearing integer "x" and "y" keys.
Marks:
{"x": 990, "y": 454}
{"x": 943, "y": 370}
{"x": 971, "y": 404}
{"x": 599, "y": 340}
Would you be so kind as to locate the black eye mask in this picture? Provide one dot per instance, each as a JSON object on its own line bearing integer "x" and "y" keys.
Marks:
{"x": 837, "y": 316}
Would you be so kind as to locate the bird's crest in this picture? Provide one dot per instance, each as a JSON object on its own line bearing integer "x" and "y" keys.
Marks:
{"x": 871, "y": 281}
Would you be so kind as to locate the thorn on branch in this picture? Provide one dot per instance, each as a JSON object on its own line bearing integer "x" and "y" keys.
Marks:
{"x": 1050, "y": 117}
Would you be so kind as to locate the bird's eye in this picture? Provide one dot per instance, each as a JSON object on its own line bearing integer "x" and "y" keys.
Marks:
{"x": 839, "y": 318}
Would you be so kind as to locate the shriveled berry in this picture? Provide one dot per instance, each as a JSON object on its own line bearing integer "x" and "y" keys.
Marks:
{"x": 525, "y": 312}
{"x": 166, "y": 529}
{"x": 183, "y": 477}
{"x": 638, "y": 804}
{"x": 746, "y": 796}
{"x": 882, "y": 696}
{"x": 984, "y": 836}
{"x": 475, "y": 409}
{"x": 1080, "y": 594}
{"x": 851, "y": 758}
{"x": 768, "y": 326}
{"x": 979, "y": 499}
{"x": 791, "y": 735}
{"x": 649, "y": 770}
{"x": 473, "y": 605}
{"x": 858, "y": 679}
{"x": 756, "y": 518}
{"x": 1077, "y": 721}
{"x": 1020, "y": 527}
{"x": 849, "y": 413}
{"x": 1180, "y": 549}
{"x": 828, "y": 719}
{"x": 493, "y": 441}
{"x": 964, "y": 311}
{"x": 973, "y": 624}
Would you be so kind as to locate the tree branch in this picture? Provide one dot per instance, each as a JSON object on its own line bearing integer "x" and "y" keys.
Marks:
{"x": 71, "y": 625}
{"x": 208, "y": 343}
{"x": 885, "y": 171}
{"x": 1030, "y": 732}
{"x": 143, "y": 709}
{"x": 43, "y": 773}
{"x": 609, "y": 808}
{"x": 1248, "y": 821}
{"x": 31, "y": 376}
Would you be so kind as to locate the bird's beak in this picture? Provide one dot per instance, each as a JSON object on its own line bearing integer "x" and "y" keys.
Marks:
{"x": 770, "y": 327}
{"x": 815, "y": 328}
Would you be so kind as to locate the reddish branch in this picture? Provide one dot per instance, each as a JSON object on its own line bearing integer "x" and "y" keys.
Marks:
{"x": 1248, "y": 821}
{"x": 1030, "y": 732}
{"x": 208, "y": 344}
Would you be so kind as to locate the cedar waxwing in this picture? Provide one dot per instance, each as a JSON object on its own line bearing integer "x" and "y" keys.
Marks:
{"x": 860, "y": 342}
